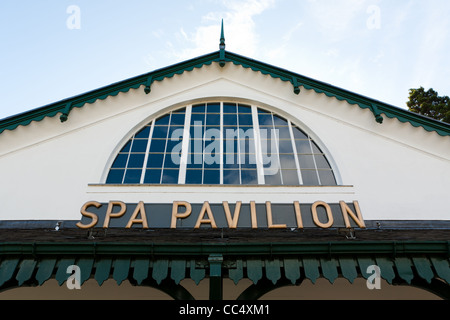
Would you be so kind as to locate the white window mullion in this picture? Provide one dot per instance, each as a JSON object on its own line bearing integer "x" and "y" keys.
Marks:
{"x": 222, "y": 156}
{"x": 314, "y": 160}
{"x": 147, "y": 150}
{"x": 294, "y": 148}
{"x": 277, "y": 148}
{"x": 185, "y": 146}
{"x": 258, "y": 148}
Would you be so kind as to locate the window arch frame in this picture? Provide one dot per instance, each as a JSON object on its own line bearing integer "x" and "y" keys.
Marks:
{"x": 292, "y": 121}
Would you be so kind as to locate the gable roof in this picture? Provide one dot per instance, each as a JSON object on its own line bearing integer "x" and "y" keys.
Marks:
{"x": 222, "y": 57}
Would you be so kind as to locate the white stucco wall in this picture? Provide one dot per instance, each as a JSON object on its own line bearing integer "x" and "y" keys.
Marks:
{"x": 49, "y": 169}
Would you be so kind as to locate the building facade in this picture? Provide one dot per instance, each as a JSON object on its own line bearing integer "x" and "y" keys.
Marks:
{"x": 222, "y": 177}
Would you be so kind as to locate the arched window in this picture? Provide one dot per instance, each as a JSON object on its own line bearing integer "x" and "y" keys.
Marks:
{"x": 221, "y": 143}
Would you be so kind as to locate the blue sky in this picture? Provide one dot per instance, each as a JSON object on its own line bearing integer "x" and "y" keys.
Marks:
{"x": 54, "y": 49}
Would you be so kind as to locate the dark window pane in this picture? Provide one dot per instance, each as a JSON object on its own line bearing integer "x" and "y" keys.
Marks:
{"x": 249, "y": 176}
{"x": 193, "y": 176}
{"x": 133, "y": 176}
{"x": 115, "y": 176}
{"x": 245, "y": 120}
{"x": 170, "y": 176}
{"x": 139, "y": 145}
{"x": 120, "y": 161}
{"x": 309, "y": 177}
{"x": 199, "y": 108}
{"x": 171, "y": 161}
{"x": 143, "y": 133}
{"x": 283, "y": 133}
{"x": 177, "y": 119}
{"x": 231, "y": 176}
{"x": 211, "y": 177}
{"x": 279, "y": 121}
{"x": 229, "y": 120}
{"x": 213, "y": 108}
{"x": 197, "y": 119}
{"x": 290, "y": 177}
{"x": 126, "y": 147}
{"x": 261, "y": 111}
{"x": 244, "y": 109}
{"x": 164, "y": 120}
{"x": 229, "y": 108}
{"x": 315, "y": 148}
{"x": 155, "y": 160}
{"x": 136, "y": 160}
{"x": 213, "y": 119}
{"x": 158, "y": 145}
{"x": 160, "y": 132}
{"x": 265, "y": 120}
{"x": 152, "y": 176}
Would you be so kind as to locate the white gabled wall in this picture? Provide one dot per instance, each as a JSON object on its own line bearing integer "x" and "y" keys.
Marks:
{"x": 50, "y": 169}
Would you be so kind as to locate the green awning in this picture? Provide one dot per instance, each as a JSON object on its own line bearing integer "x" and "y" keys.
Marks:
{"x": 33, "y": 264}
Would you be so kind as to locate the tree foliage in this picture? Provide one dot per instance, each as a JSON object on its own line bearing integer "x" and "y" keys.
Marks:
{"x": 430, "y": 104}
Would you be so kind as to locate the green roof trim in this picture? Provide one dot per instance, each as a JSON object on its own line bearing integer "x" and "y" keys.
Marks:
{"x": 222, "y": 57}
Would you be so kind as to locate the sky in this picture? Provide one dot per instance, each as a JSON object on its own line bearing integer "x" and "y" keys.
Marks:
{"x": 55, "y": 49}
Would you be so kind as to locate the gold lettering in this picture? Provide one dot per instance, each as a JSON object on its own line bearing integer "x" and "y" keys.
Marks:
{"x": 88, "y": 214}
{"x": 269, "y": 218}
{"x": 232, "y": 222}
{"x": 143, "y": 220}
{"x": 110, "y": 214}
{"x": 253, "y": 214}
{"x": 298, "y": 215}
{"x": 315, "y": 217}
{"x": 347, "y": 211}
{"x": 176, "y": 215}
{"x": 205, "y": 209}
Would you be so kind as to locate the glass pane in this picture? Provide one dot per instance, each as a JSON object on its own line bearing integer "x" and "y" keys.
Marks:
{"x": 158, "y": 145}
{"x": 139, "y": 145}
{"x": 244, "y": 109}
{"x": 136, "y": 160}
{"x": 283, "y": 133}
{"x": 315, "y": 148}
{"x": 303, "y": 146}
{"x": 231, "y": 176}
{"x": 249, "y": 176}
{"x": 321, "y": 162}
{"x": 306, "y": 161}
{"x": 327, "y": 178}
{"x": 160, "y": 132}
{"x": 245, "y": 120}
{"x": 298, "y": 134}
{"x": 170, "y": 176}
{"x": 309, "y": 177}
{"x": 196, "y": 132}
{"x": 229, "y": 108}
{"x": 164, "y": 120}
{"x": 290, "y": 177}
{"x": 287, "y": 161}
{"x": 193, "y": 176}
{"x": 120, "y": 161}
{"x": 152, "y": 176}
{"x": 213, "y": 119}
{"x": 177, "y": 119}
{"x": 229, "y": 120}
{"x": 115, "y": 176}
{"x": 198, "y": 119}
{"x": 211, "y": 177}
{"x": 213, "y": 108}
{"x": 200, "y": 108}
{"x": 171, "y": 161}
{"x": 143, "y": 133}
{"x": 126, "y": 147}
{"x": 285, "y": 146}
{"x": 279, "y": 121}
{"x": 133, "y": 176}
{"x": 273, "y": 179}
{"x": 155, "y": 160}
{"x": 265, "y": 120}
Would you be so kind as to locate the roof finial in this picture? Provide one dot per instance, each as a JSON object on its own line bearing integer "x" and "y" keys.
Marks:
{"x": 222, "y": 39}
{"x": 222, "y": 47}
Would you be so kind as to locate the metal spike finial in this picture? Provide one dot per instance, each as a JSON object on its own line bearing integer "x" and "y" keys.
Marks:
{"x": 222, "y": 38}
